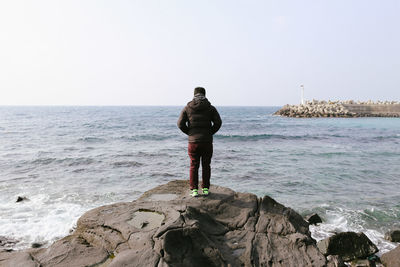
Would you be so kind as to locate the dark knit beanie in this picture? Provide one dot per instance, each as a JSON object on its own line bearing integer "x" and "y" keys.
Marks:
{"x": 199, "y": 90}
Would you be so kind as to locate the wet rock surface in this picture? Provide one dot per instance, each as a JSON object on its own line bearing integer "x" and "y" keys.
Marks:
{"x": 6, "y": 243}
{"x": 225, "y": 228}
{"x": 348, "y": 245}
{"x": 21, "y": 199}
{"x": 313, "y": 219}
{"x": 392, "y": 258}
{"x": 393, "y": 236}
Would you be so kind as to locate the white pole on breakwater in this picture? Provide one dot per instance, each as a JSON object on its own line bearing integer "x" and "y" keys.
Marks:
{"x": 302, "y": 94}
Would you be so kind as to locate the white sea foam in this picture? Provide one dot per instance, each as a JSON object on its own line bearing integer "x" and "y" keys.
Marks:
{"x": 38, "y": 220}
{"x": 337, "y": 221}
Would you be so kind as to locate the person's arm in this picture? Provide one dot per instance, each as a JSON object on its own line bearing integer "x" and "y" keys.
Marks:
{"x": 216, "y": 120}
{"x": 182, "y": 122}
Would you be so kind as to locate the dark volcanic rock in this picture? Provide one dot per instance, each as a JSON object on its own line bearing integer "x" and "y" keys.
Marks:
{"x": 166, "y": 227}
{"x": 393, "y": 236}
{"x": 36, "y": 245}
{"x": 348, "y": 245}
{"x": 392, "y": 258}
{"x": 313, "y": 219}
{"x": 20, "y": 199}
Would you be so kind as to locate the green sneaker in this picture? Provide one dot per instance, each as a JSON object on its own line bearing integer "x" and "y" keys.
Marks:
{"x": 194, "y": 193}
{"x": 205, "y": 191}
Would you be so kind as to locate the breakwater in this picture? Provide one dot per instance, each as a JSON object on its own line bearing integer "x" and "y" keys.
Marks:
{"x": 345, "y": 109}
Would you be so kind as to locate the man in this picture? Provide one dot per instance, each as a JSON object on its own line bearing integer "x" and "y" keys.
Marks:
{"x": 200, "y": 121}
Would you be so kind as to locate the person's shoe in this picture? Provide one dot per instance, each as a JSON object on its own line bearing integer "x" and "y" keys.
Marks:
{"x": 194, "y": 193}
{"x": 205, "y": 191}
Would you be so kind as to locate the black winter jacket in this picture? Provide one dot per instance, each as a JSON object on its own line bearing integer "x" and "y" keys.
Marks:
{"x": 199, "y": 120}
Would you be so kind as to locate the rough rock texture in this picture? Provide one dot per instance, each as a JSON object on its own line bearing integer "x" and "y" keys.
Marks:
{"x": 348, "y": 245}
{"x": 363, "y": 263}
{"x": 346, "y": 109}
{"x": 166, "y": 227}
{"x": 17, "y": 259}
{"x": 335, "y": 261}
{"x": 313, "y": 219}
{"x": 7, "y": 242}
{"x": 393, "y": 236}
{"x": 392, "y": 258}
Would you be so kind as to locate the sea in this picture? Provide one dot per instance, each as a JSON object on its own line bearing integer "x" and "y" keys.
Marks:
{"x": 67, "y": 160}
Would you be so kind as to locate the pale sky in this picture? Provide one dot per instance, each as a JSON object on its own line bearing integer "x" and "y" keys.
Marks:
{"x": 93, "y": 52}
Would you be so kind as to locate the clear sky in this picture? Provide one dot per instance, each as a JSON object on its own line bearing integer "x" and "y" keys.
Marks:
{"x": 94, "y": 52}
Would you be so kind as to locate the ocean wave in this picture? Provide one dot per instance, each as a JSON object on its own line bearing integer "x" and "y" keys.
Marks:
{"x": 164, "y": 174}
{"x": 90, "y": 139}
{"x": 70, "y": 149}
{"x": 68, "y": 161}
{"x": 120, "y": 164}
{"x": 385, "y": 154}
{"x": 151, "y": 155}
{"x": 76, "y": 161}
{"x": 386, "y": 137}
{"x": 43, "y": 161}
{"x": 43, "y": 153}
{"x": 38, "y": 220}
{"x": 78, "y": 170}
{"x": 257, "y": 137}
{"x": 103, "y": 126}
{"x": 329, "y": 154}
{"x": 340, "y": 219}
{"x": 338, "y": 135}
{"x": 146, "y": 137}
{"x": 127, "y": 155}
{"x": 373, "y": 216}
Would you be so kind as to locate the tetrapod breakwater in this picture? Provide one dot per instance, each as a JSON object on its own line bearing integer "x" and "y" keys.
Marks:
{"x": 345, "y": 109}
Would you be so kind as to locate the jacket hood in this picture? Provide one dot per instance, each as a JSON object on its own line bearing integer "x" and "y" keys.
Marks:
{"x": 199, "y": 104}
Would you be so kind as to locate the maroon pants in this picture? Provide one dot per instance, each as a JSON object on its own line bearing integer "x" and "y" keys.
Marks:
{"x": 200, "y": 152}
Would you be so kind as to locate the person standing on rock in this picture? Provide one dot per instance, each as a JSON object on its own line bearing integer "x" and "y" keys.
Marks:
{"x": 200, "y": 121}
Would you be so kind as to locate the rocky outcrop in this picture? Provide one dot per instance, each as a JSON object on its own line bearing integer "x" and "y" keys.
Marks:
{"x": 393, "y": 236}
{"x": 347, "y": 109}
{"x": 20, "y": 199}
{"x": 313, "y": 219}
{"x": 166, "y": 227}
{"x": 348, "y": 245}
{"x": 391, "y": 258}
